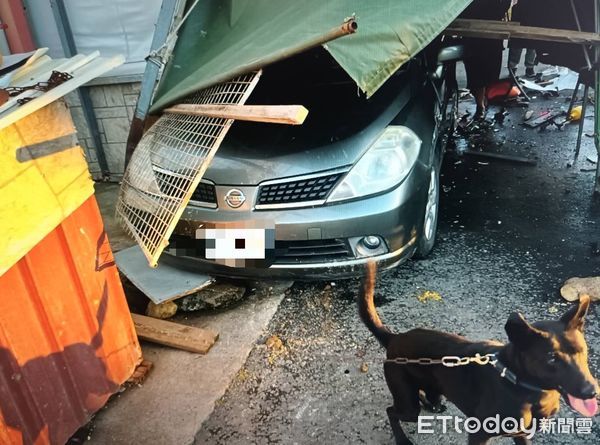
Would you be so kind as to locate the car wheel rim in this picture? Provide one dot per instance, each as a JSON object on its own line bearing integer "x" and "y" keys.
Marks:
{"x": 431, "y": 208}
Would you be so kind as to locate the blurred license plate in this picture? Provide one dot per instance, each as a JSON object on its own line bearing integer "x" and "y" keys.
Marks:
{"x": 232, "y": 245}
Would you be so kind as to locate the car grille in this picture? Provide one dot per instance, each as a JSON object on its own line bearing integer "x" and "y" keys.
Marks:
{"x": 312, "y": 251}
{"x": 298, "y": 191}
{"x": 205, "y": 192}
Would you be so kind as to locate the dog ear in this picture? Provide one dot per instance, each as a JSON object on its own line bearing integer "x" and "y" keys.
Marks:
{"x": 574, "y": 318}
{"x": 520, "y": 332}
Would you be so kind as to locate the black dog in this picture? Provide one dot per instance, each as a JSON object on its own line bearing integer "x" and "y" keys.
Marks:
{"x": 524, "y": 380}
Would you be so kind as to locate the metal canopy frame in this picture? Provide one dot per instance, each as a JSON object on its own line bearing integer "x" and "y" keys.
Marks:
{"x": 495, "y": 31}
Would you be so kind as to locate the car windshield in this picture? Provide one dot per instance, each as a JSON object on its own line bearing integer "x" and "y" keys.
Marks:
{"x": 337, "y": 108}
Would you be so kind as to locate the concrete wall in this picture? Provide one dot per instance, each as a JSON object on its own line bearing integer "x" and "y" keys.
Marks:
{"x": 114, "y": 106}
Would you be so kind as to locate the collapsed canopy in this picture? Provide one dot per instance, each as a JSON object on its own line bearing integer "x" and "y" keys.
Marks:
{"x": 222, "y": 39}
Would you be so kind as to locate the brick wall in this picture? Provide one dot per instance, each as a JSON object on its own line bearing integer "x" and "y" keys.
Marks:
{"x": 114, "y": 106}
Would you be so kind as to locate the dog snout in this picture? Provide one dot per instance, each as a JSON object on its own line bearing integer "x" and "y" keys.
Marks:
{"x": 589, "y": 390}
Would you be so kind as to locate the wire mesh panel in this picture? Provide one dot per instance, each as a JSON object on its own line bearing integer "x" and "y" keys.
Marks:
{"x": 168, "y": 165}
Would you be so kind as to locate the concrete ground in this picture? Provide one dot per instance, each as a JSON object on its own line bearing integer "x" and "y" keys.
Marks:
{"x": 509, "y": 235}
{"x": 180, "y": 392}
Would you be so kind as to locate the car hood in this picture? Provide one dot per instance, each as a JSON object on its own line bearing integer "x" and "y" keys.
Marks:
{"x": 269, "y": 154}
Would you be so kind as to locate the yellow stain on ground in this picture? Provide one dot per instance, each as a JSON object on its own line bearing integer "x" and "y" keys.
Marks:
{"x": 37, "y": 195}
{"x": 428, "y": 295}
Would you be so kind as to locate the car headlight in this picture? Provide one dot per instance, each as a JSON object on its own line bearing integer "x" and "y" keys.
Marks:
{"x": 383, "y": 166}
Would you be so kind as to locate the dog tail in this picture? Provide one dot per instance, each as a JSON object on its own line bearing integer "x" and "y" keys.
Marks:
{"x": 366, "y": 307}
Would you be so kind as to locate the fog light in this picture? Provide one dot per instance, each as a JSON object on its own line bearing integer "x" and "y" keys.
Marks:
{"x": 371, "y": 242}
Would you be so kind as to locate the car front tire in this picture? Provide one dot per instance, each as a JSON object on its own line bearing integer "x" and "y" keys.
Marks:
{"x": 430, "y": 219}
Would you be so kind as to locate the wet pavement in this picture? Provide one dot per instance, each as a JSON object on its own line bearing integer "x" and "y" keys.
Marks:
{"x": 509, "y": 236}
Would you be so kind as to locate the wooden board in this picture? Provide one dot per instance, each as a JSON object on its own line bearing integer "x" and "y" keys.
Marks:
{"x": 508, "y": 30}
{"x": 273, "y": 114}
{"x": 176, "y": 335}
{"x": 38, "y": 193}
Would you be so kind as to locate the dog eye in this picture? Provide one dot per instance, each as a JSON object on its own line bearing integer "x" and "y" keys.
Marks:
{"x": 552, "y": 356}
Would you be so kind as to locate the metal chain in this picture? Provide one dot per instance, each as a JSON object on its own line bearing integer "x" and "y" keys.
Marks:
{"x": 449, "y": 361}
{"x": 56, "y": 78}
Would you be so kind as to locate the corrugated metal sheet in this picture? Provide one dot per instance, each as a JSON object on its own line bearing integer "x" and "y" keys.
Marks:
{"x": 66, "y": 337}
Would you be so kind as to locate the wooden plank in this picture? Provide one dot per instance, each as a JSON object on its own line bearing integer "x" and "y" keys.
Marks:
{"x": 36, "y": 195}
{"x": 507, "y": 30}
{"x": 175, "y": 335}
{"x": 273, "y": 114}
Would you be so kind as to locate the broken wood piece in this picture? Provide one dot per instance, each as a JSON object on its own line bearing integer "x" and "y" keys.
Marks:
{"x": 545, "y": 119}
{"x": 140, "y": 373}
{"x": 501, "y": 157}
{"x": 273, "y": 114}
{"x": 175, "y": 335}
{"x": 507, "y": 30}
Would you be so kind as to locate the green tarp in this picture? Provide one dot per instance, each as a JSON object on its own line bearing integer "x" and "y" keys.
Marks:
{"x": 224, "y": 38}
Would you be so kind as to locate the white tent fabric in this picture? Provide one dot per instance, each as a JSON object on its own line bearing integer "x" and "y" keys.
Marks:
{"x": 110, "y": 26}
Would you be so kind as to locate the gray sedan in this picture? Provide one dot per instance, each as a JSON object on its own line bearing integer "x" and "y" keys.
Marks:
{"x": 357, "y": 181}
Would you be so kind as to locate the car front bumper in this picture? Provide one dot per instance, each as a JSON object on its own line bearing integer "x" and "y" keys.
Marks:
{"x": 395, "y": 217}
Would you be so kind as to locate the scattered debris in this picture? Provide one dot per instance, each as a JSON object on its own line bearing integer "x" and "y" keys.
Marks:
{"x": 501, "y": 157}
{"x": 243, "y": 375}
{"x": 591, "y": 160}
{"x": 575, "y": 113}
{"x": 364, "y": 368}
{"x": 553, "y": 309}
{"x": 547, "y": 118}
{"x": 528, "y": 115}
{"x": 547, "y": 91}
{"x": 276, "y": 348}
{"x": 429, "y": 295}
{"x": 574, "y": 287}
{"x": 163, "y": 311}
{"x": 500, "y": 116}
{"x": 216, "y": 296}
{"x": 140, "y": 373}
{"x": 265, "y": 289}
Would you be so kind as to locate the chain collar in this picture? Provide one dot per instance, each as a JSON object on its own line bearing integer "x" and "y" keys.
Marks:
{"x": 451, "y": 361}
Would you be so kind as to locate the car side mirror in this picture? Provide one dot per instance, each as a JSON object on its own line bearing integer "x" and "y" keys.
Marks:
{"x": 452, "y": 53}
{"x": 447, "y": 55}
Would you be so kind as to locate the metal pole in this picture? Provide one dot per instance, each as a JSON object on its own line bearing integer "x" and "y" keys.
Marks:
{"x": 578, "y": 23}
{"x": 586, "y": 90}
{"x": 70, "y": 48}
{"x": 597, "y": 102}
{"x": 574, "y": 96}
{"x": 170, "y": 12}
